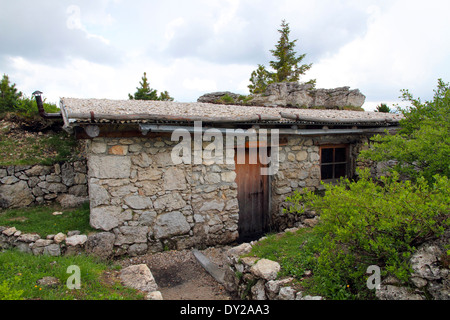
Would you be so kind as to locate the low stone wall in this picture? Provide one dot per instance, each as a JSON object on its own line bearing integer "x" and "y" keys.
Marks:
{"x": 25, "y": 185}
{"x": 257, "y": 279}
{"x": 99, "y": 244}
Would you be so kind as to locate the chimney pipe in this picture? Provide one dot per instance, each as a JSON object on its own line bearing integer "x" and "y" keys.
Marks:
{"x": 37, "y": 94}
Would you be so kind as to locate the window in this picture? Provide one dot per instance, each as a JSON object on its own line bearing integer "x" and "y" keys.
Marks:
{"x": 333, "y": 162}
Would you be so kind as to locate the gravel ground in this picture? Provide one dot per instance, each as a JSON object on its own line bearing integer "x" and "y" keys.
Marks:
{"x": 180, "y": 277}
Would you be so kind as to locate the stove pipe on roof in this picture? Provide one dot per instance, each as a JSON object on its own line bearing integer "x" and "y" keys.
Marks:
{"x": 37, "y": 94}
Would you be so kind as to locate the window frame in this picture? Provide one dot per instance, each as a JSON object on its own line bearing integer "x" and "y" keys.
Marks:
{"x": 334, "y": 163}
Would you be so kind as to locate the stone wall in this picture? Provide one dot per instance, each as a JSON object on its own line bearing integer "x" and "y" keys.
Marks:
{"x": 148, "y": 203}
{"x": 25, "y": 185}
{"x": 300, "y": 168}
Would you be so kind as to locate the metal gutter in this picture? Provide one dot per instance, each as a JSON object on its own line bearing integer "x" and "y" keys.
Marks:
{"x": 146, "y": 128}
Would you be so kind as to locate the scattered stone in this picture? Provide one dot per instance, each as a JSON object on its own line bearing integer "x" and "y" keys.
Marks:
{"x": 138, "y": 277}
{"x": 59, "y": 237}
{"x": 266, "y": 269}
{"x": 49, "y": 282}
{"x": 42, "y": 243}
{"x": 286, "y": 293}
{"x": 29, "y": 237}
{"x": 76, "y": 240}
{"x": 73, "y": 233}
{"x": 155, "y": 295}
{"x": 10, "y": 231}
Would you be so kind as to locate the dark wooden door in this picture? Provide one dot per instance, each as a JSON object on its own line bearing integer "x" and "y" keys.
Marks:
{"x": 253, "y": 198}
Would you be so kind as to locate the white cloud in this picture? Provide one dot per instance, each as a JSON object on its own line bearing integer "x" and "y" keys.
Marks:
{"x": 200, "y": 85}
{"x": 402, "y": 49}
{"x": 101, "y": 48}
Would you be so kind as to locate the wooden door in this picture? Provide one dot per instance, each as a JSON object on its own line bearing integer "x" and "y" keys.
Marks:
{"x": 253, "y": 198}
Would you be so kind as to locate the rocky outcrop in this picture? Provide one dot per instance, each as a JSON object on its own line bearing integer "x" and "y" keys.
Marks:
{"x": 222, "y": 97}
{"x": 430, "y": 277}
{"x": 293, "y": 94}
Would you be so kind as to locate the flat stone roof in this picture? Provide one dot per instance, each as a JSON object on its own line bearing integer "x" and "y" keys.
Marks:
{"x": 76, "y": 110}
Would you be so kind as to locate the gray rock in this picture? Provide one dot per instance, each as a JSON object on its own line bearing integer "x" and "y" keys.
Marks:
{"x": 303, "y": 95}
{"x": 174, "y": 179}
{"x": 10, "y": 231}
{"x": 79, "y": 190}
{"x": 71, "y": 201}
{"x": 155, "y": 295}
{"x": 15, "y": 195}
{"x": 390, "y": 292}
{"x": 258, "y": 291}
{"x": 169, "y": 202}
{"x": 50, "y": 282}
{"x": 171, "y": 224}
{"x": 76, "y": 240}
{"x": 425, "y": 262}
{"x": 109, "y": 167}
{"x": 130, "y": 235}
{"x": 215, "y": 97}
{"x": 138, "y": 202}
{"x": 137, "y": 249}
{"x": 29, "y": 237}
{"x": 286, "y": 293}
{"x": 38, "y": 171}
{"x": 59, "y": 237}
{"x": 266, "y": 269}
{"x": 138, "y": 277}
{"x": 273, "y": 286}
{"x": 52, "y": 250}
{"x": 42, "y": 243}
{"x": 235, "y": 252}
{"x": 101, "y": 244}
{"x": 98, "y": 195}
{"x": 9, "y": 180}
{"x": 105, "y": 218}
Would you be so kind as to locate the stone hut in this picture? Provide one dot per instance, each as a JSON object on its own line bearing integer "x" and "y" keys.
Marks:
{"x": 181, "y": 175}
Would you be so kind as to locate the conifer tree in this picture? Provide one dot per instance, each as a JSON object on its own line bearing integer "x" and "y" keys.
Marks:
{"x": 9, "y": 95}
{"x": 286, "y": 65}
{"x": 145, "y": 92}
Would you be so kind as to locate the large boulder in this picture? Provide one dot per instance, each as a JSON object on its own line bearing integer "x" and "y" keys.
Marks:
{"x": 292, "y": 94}
{"x": 15, "y": 195}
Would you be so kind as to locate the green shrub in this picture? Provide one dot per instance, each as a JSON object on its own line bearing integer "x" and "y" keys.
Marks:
{"x": 8, "y": 292}
{"x": 368, "y": 223}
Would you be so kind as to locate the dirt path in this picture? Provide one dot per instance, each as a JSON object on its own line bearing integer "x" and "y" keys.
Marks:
{"x": 180, "y": 277}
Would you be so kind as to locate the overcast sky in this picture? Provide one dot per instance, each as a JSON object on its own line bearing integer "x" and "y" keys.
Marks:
{"x": 101, "y": 48}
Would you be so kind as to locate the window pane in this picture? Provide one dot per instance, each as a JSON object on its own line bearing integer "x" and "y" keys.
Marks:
{"x": 326, "y": 171}
{"x": 340, "y": 155}
{"x": 340, "y": 170}
{"x": 327, "y": 155}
